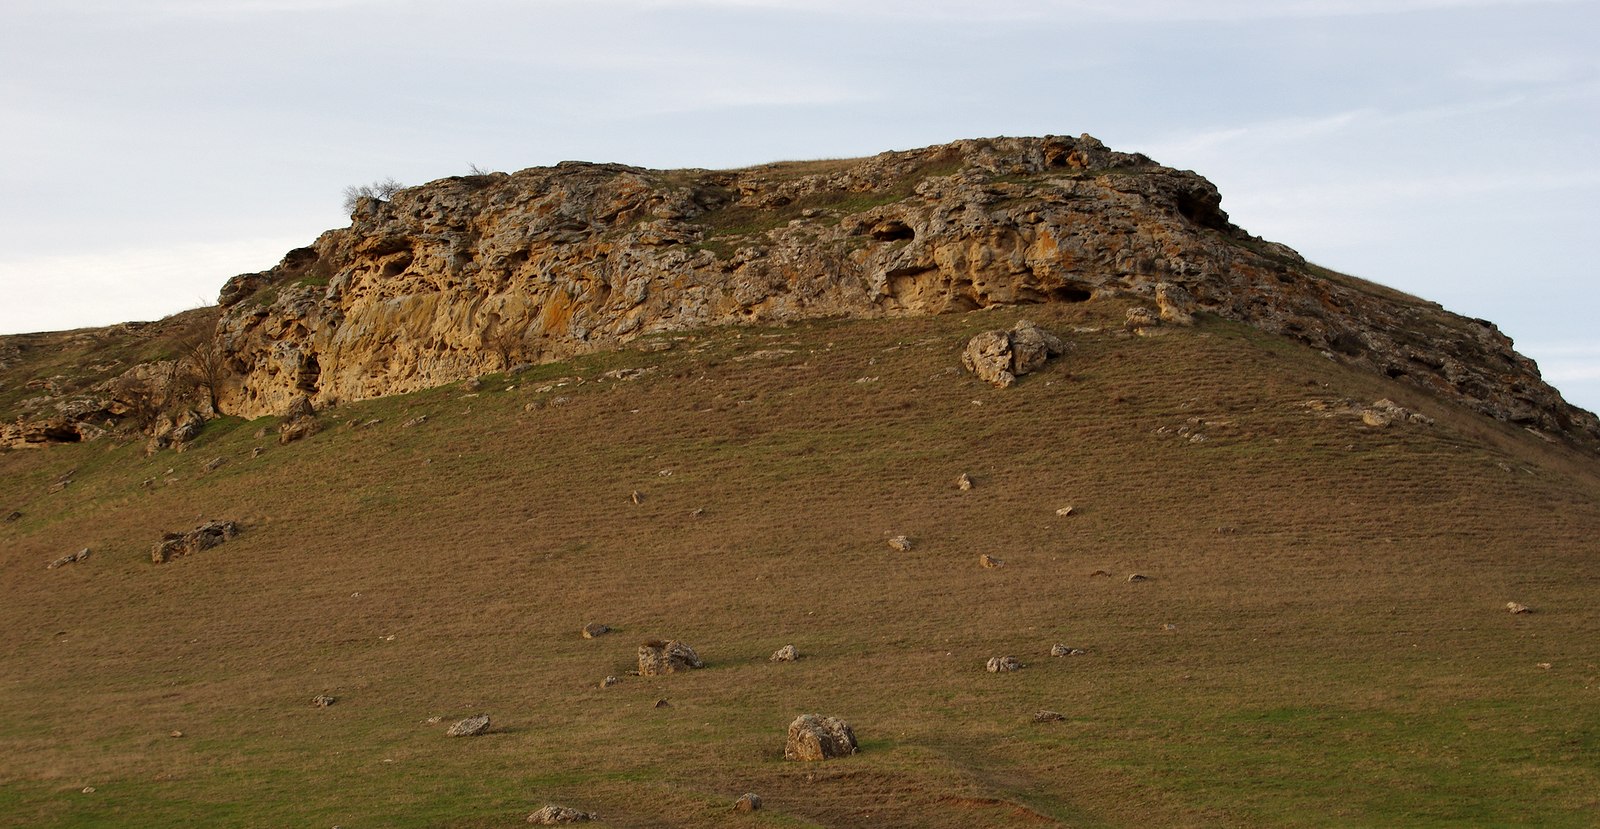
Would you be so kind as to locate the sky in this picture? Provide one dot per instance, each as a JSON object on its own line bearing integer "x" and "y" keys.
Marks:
{"x": 150, "y": 149}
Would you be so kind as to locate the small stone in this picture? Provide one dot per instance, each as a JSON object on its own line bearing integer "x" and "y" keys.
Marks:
{"x": 1140, "y": 318}
{"x": 1169, "y": 628}
{"x": 1100, "y": 574}
{"x": 787, "y": 653}
{"x": 88, "y": 790}
{"x": 1132, "y": 577}
{"x": 900, "y": 543}
{"x": 813, "y": 737}
{"x": 14, "y": 515}
{"x": 990, "y": 562}
{"x": 1047, "y": 716}
{"x": 472, "y": 384}
{"x": 213, "y": 465}
{"x": 592, "y": 630}
{"x": 1544, "y": 665}
{"x": 415, "y": 421}
{"x": 69, "y": 559}
{"x": 609, "y": 681}
{"x": 322, "y": 701}
{"x": 1518, "y": 608}
{"x": 175, "y": 734}
{"x": 636, "y": 497}
{"x": 256, "y": 452}
{"x": 964, "y": 483}
{"x": 434, "y": 720}
{"x": 1059, "y": 649}
{"x": 553, "y": 815}
{"x": 661, "y": 703}
{"x": 469, "y": 727}
{"x": 1064, "y": 511}
{"x": 747, "y": 802}
{"x": 1003, "y": 664}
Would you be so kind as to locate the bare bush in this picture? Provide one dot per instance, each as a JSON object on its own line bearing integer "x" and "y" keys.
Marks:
{"x": 380, "y": 190}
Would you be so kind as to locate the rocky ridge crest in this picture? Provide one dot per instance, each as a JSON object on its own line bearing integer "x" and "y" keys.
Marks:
{"x": 473, "y": 274}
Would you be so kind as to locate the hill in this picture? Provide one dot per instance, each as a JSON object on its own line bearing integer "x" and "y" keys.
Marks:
{"x": 1321, "y": 639}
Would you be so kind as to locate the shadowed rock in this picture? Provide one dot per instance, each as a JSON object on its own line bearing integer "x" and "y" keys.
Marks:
{"x": 203, "y": 537}
{"x": 469, "y": 727}
{"x": 814, "y": 737}
{"x": 659, "y": 657}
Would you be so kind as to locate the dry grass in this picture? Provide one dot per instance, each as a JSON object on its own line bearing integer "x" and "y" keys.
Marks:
{"x": 1341, "y": 655}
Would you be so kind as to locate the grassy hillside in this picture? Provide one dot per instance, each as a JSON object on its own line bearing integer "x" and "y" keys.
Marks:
{"x": 1322, "y": 641}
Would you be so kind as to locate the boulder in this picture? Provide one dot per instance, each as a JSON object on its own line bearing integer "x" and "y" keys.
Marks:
{"x": 964, "y": 483}
{"x": 203, "y": 537}
{"x": 1000, "y": 357}
{"x": 659, "y": 657}
{"x": 553, "y": 815}
{"x": 1047, "y": 716}
{"x": 469, "y": 727}
{"x": 901, "y": 543}
{"x": 322, "y": 701}
{"x": 1059, "y": 649}
{"x": 592, "y": 630}
{"x": 1140, "y": 319}
{"x": 609, "y": 681}
{"x": 1174, "y": 304}
{"x": 990, "y": 562}
{"x": 1515, "y": 607}
{"x": 69, "y": 558}
{"x": 1003, "y": 664}
{"x": 747, "y": 802}
{"x": 787, "y": 653}
{"x": 814, "y": 737}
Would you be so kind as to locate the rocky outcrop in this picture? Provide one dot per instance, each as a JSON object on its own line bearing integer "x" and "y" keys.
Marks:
{"x": 659, "y": 657}
{"x": 473, "y": 274}
{"x": 814, "y": 737}
{"x": 203, "y": 537}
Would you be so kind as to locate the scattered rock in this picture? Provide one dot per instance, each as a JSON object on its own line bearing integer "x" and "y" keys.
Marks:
{"x": 1518, "y": 608}
{"x": 901, "y": 543}
{"x": 1133, "y": 577}
{"x": 814, "y": 737}
{"x": 609, "y": 681}
{"x": 787, "y": 653}
{"x": 964, "y": 483}
{"x": 60, "y": 485}
{"x": 434, "y": 720}
{"x": 256, "y": 452}
{"x": 203, "y": 537}
{"x": 990, "y": 562}
{"x": 1003, "y": 664}
{"x": 213, "y": 465}
{"x": 1059, "y": 649}
{"x": 322, "y": 701}
{"x": 175, "y": 734}
{"x": 88, "y": 790}
{"x": 1000, "y": 357}
{"x": 300, "y": 408}
{"x": 469, "y": 727}
{"x": 553, "y": 815}
{"x": 415, "y": 421}
{"x": 13, "y": 515}
{"x": 472, "y": 384}
{"x": 1064, "y": 511}
{"x": 1544, "y": 665}
{"x": 69, "y": 558}
{"x": 661, "y": 703}
{"x": 299, "y": 428}
{"x": 1169, "y": 628}
{"x": 636, "y": 497}
{"x": 1100, "y": 574}
{"x": 1047, "y": 716}
{"x": 659, "y": 657}
{"x": 747, "y": 802}
{"x": 594, "y": 629}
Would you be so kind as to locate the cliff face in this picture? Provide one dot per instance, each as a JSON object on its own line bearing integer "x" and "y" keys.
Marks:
{"x": 474, "y": 274}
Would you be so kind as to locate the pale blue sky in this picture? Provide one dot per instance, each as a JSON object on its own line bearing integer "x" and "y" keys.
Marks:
{"x": 153, "y": 148}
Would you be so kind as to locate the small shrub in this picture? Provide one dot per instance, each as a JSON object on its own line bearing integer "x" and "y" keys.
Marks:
{"x": 380, "y": 190}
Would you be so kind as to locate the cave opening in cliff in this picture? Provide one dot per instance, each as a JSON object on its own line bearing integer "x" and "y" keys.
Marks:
{"x": 893, "y": 231}
{"x": 1070, "y": 293}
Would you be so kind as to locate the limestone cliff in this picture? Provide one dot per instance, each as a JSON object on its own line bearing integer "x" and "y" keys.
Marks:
{"x": 476, "y": 273}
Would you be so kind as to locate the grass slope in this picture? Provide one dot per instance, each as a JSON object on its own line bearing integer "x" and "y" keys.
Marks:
{"x": 1339, "y": 651}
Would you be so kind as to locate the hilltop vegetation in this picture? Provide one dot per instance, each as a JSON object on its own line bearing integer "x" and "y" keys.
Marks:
{"x": 1322, "y": 639}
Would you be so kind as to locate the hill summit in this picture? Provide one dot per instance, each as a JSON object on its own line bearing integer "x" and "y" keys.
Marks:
{"x": 480, "y": 273}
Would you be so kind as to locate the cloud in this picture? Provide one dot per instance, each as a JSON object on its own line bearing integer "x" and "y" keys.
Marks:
{"x": 1159, "y": 11}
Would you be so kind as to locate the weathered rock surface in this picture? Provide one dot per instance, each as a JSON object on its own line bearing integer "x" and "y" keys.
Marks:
{"x": 787, "y": 653}
{"x": 747, "y": 802}
{"x": 594, "y": 629}
{"x": 900, "y": 543}
{"x": 1059, "y": 649}
{"x": 1000, "y": 357}
{"x": 553, "y": 815}
{"x": 469, "y": 727}
{"x": 69, "y": 558}
{"x": 815, "y": 737}
{"x": 659, "y": 657}
{"x": 482, "y": 273}
{"x": 1003, "y": 664}
{"x": 203, "y": 537}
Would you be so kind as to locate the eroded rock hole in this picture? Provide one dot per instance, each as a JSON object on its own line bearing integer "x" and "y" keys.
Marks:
{"x": 892, "y": 231}
{"x": 1070, "y": 293}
